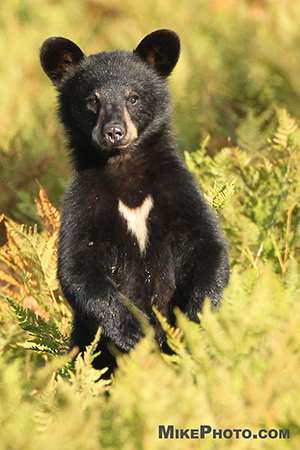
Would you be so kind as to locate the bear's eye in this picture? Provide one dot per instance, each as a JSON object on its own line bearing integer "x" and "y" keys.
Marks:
{"x": 93, "y": 103}
{"x": 133, "y": 99}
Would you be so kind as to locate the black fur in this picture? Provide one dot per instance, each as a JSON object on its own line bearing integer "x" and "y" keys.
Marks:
{"x": 116, "y": 110}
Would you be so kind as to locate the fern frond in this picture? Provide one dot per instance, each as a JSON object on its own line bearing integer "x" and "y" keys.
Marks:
{"x": 32, "y": 255}
{"x": 242, "y": 157}
{"x": 9, "y": 253}
{"x": 174, "y": 335}
{"x": 223, "y": 196}
{"x": 46, "y": 336}
{"x": 193, "y": 338}
{"x": 249, "y": 133}
{"x": 286, "y": 127}
{"x": 22, "y": 238}
{"x": 85, "y": 378}
{"x": 9, "y": 293}
{"x": 190, "y": 162}
{"x": 9, "y": 279}
{"x": 35, "y": 252}
{"x": 175, "y": 340}
{"x": 32, "y": 261}
{"x": 220, "y": 198}
{"x": 48, "y": 260}
{"x": 26, "y": 317}
{"x": 252, "y": 133}
{"x": 199, "y": 162}
{"x": 49, "y": 215}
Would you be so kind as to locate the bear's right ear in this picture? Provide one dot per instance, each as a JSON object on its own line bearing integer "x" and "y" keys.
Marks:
{"x": 58, "y": 55}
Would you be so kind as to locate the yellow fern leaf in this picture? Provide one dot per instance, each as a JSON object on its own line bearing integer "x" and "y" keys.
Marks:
{"x": 48, "y": 213}
{"x": 287, "y": 126}
{"x": 48, "y": 260}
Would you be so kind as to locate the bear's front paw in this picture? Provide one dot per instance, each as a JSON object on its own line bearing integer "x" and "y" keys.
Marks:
{"x": 131, "y": 333}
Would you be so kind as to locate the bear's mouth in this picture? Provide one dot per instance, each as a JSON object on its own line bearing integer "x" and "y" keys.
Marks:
{"x": 116, "y": 147}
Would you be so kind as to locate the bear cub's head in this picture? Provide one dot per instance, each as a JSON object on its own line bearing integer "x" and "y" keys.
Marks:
{"x": 111, "y": 102}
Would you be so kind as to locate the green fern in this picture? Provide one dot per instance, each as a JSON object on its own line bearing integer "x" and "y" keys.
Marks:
{"x": 174, "y": 338}
{"x": 248, "y": 133}
{"x": 46, "y": 336}
{"x": 85, "y": 378}
{"x": 182, "y": 358}
{"x": 220, "y": 198}
{"x": 200, "y": 163}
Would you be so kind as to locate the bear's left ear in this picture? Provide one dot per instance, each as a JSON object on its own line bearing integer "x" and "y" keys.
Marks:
{"x": 160, "y": 50}
{"x": 58, "y": 55}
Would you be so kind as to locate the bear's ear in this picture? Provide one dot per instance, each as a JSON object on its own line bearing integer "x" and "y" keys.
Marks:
{"x": 160, "y": 50}
{"x": 58, "y": 55}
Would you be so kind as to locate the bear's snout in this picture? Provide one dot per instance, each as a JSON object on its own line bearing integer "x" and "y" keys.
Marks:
{"x": 113, "y": 133}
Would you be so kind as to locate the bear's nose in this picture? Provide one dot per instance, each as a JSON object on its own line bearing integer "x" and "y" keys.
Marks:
{"x": 113, "y": 132}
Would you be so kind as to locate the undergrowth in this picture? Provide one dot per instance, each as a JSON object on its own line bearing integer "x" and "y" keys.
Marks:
{"x": 237, "y": 369}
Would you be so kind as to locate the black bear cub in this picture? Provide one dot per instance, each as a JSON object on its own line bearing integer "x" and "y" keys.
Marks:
{"x": 134, "y": 222}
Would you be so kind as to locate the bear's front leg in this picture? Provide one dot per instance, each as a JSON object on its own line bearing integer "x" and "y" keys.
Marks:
{"x": 97, "y": 301}
{"x": 204, "y": 272}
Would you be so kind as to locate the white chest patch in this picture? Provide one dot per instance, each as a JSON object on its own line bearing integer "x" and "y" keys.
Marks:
{"x": 136, "y": 219}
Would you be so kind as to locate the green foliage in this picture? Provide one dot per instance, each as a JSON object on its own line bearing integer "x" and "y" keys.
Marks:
{"x": 46, "y": 336}
{"x": 29, "y": 282}
{"x": 239, "y": 59}
{"x": 48, "y": 410}
{"x": 239, "y": 368}
{"x": 262, "y": 217}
